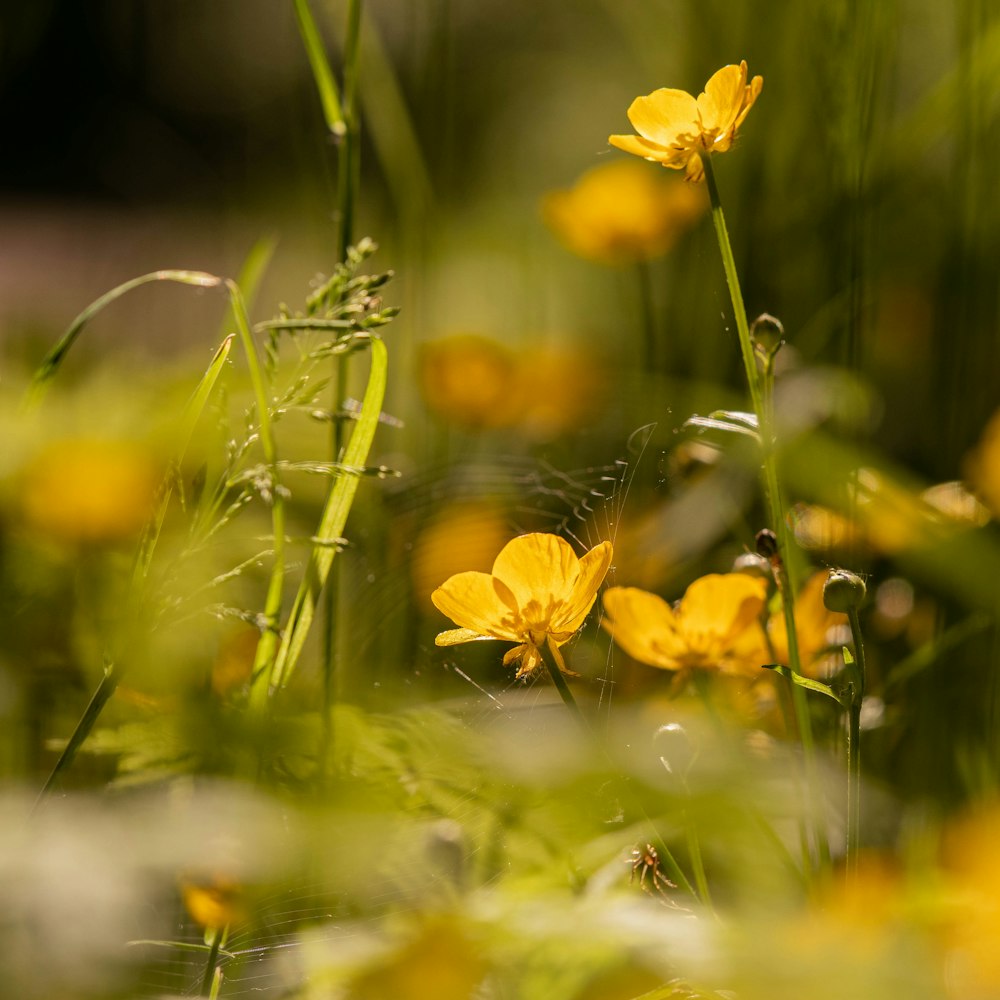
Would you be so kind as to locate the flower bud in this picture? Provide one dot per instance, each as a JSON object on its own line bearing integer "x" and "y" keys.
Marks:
{"x": 767, "y": 543}
{"x": 767, "y": 335}
{"x": 843, "y": 591}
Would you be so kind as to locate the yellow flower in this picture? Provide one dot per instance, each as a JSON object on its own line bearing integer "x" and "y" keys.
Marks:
{"x": 460, "y": 536}
{"x": 90, "y": 491}
{"x": 676, "y": 129}
{"x": 538, "y": 592}
{"x": 701, "y": 632}
{"x": 561, "y": 388}
{"x": 621, "y": 213}
{"x": 470, "y": 381}
{"x": 214, "y": 901}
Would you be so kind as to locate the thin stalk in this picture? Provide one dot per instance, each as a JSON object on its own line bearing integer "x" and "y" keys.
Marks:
{"x": 552, "y": 659}
{"x": 854, "y": 746}
{"x": 772, "y": 492}
{"x": 348, "y": 180}
{"x": 268, "y": 646}
{"x": 210, "y": 979}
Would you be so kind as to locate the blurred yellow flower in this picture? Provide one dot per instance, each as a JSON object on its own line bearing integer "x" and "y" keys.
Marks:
{"x": 701, "y": 632}
{"x": 621, "y": 213}
{"x": 538, "y": 593}
{"x": 561, "y": 388}
{"x": 233, "y": 663}
{"x": 982, "y": 465}
{"x": 478, "y": 384}
{"x": 971, "y": 921}
{"x": 470, "y": 381}
{"x": 461, "y": 536}
{"x": 215, "y": 901}
{"x": 89, "y": 491}
{"x": 676, "y": 129}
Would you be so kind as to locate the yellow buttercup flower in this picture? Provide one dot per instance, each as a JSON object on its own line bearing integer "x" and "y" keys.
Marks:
{"x": 621, "y": 213}
{"x": 538, "y": 593}
{"x": 470, "y": 381}
{"x": 701, "y": 632}
{"x": 676, "y": 129}
{"x": 90, "y": 491}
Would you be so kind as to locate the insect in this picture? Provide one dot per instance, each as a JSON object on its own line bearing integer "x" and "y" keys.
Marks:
{"x": 647, "y": 862}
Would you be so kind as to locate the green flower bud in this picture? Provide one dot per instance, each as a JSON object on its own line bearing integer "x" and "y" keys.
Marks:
{"x": 843, "y": 591}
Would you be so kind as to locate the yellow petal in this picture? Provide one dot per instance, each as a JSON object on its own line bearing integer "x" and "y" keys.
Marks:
{"x": 722, "y": 100}
{"x": 695, "y": 169}
{"x": 664, "y": 115}
{"x": 717, "y": 608}
{"x": 643, "y": 624}
{"x": 538, "y": 569}
{"x": 649, "y": 150}
{"x": 594, "y": 568}
{"x": 469, "y": 600}
{"x": 456, "y": 635}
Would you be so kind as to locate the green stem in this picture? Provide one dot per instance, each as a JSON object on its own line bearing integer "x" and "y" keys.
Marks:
{"x": 268, "y": 646}
{"x": 209, "y": 980}
{"x": 348, "y": 179}
{"x": 551, "y": 657}
{"x": 763, "y": 410}
{"x": 854, "y": 746}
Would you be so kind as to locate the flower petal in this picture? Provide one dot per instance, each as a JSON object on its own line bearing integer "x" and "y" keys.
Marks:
{"x": 539, "y": 570}
{"x": 722, "y": 100}
{"x": 649, "y": 150}
{"x": 717, "y": 608}
{"x": 469, "y": 600}
{"x": 594, "y": 568}
{"x": 456, "y": 635}
{"x": 664, "y": 115}
{"x": 644, "y": 625}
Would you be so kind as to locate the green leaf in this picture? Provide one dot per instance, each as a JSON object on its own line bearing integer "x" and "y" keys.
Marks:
{"x": 333, "y": 520}
{"x": 807, "y": 682}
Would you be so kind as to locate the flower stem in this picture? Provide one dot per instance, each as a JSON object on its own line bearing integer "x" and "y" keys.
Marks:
{"x": 210, "y": 979}
{"x": 854, "y": 746}
{"x": 348, "y": 181}
{"x": 760, "y": 396}
{"x": 552, "y": 658}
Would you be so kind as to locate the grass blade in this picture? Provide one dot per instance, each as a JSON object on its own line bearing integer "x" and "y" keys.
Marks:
{"x": 332, "y": 523}
{"x": 46, "y": 371}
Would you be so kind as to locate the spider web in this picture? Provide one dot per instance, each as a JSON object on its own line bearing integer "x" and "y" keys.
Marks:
{"x": 586, "y": 506}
